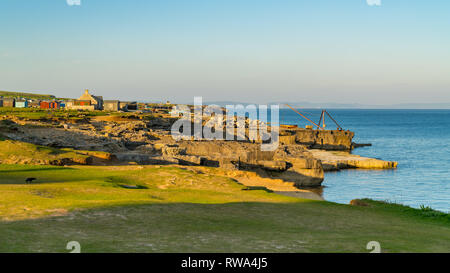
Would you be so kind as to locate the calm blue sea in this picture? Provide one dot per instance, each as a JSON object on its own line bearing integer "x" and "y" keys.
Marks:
{"x": 419, "y": 140}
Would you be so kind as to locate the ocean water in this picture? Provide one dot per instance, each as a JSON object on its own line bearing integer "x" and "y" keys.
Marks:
{"x": 419, "y": 140}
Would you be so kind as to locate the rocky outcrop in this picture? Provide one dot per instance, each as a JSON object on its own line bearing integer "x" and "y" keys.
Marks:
{"x": 334, "y": 161}
{"x": 291, "y": 163}
{"x": 147, "y": 140}
{"x": 319, "y": 139}
{"x": 136, "y": 140}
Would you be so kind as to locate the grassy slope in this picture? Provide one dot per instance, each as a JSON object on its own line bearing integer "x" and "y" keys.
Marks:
{"x": 182, "y": 210}
{"x": 33, "y": 113}
{"x": 27, "y": 153}
{"x": 8, "y": 94}
{"x": 17, "y": 151}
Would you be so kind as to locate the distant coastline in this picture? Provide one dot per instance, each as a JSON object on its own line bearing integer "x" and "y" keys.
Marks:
{"x": 312, "y": 105}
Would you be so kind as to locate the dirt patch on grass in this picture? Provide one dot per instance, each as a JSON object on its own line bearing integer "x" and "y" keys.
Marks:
{"x": 42, "y": 193}
{"x": 359, "y": 203}
{"x": 114, "y": 118}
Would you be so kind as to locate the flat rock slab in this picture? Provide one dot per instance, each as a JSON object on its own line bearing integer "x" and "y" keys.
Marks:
{"x": 334, "y": 161}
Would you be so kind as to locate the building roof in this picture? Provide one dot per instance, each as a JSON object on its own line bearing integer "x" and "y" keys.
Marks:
{"x": 86, "y": 96}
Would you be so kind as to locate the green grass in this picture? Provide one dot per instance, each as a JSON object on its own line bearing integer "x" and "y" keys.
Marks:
{"x": 17, "y": 151}
{"x": 178, "y": 210}
{"x": 424, "y": 212}
{"x": 34, "y": 113}
{"x": 8, "y": 94}
{"x": 37, "y": 114}
{"x": 30, "y": 113}
{"x": 92, "y": 187}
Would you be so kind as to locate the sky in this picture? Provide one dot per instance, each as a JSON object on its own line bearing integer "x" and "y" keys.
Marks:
{"x": 253, "y": 51}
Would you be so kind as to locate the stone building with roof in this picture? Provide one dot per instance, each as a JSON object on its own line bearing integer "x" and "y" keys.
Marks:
{"x": 86, "y": 102}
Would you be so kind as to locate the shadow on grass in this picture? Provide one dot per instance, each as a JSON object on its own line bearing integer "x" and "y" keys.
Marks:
{"x": 43, "y": 175}
{"x": 307, "y": 226}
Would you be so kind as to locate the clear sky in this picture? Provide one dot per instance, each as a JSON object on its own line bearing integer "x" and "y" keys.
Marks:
{"x": 242, "y": 50}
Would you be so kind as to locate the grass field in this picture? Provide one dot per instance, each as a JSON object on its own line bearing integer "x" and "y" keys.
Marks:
{"x": 11, "y": 150}
{"x": 18, "y": 152}
{"x": 34, "y": 113}
{"x": 9, "y": 94}
{"x": 168, "y": 209}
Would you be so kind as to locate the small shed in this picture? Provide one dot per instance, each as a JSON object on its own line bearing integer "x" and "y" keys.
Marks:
{"x": 55, "y": 105}
{"x": 128, "y": 105}
{"x": 45, "y": 105}
{"x": 111, "y": 105}
{"x": 8, "y": 102}
{"x": 21, "y": 104}
{"x": 34, "y": 104}
{"x": 123, "y": 105}
{"x": 50, "y": 105}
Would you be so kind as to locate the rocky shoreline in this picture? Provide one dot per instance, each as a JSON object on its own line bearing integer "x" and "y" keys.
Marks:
{"x": 134, "y": 139}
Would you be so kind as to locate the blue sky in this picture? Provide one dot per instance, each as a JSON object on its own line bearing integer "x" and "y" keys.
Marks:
{"x": 242, "y": 50}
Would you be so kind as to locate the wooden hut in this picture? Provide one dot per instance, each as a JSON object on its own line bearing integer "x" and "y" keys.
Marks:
{"x": 34, "y": 104}
{"x": 128, "y": 105}
{"x": 111, "y": 105}
{"x": 50, "y": 105}
{"x": 21, "y": 104}
{"x": 8, "y": 102}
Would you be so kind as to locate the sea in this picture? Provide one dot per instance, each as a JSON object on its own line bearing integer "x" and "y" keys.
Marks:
{"x": 419, "y": 140}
